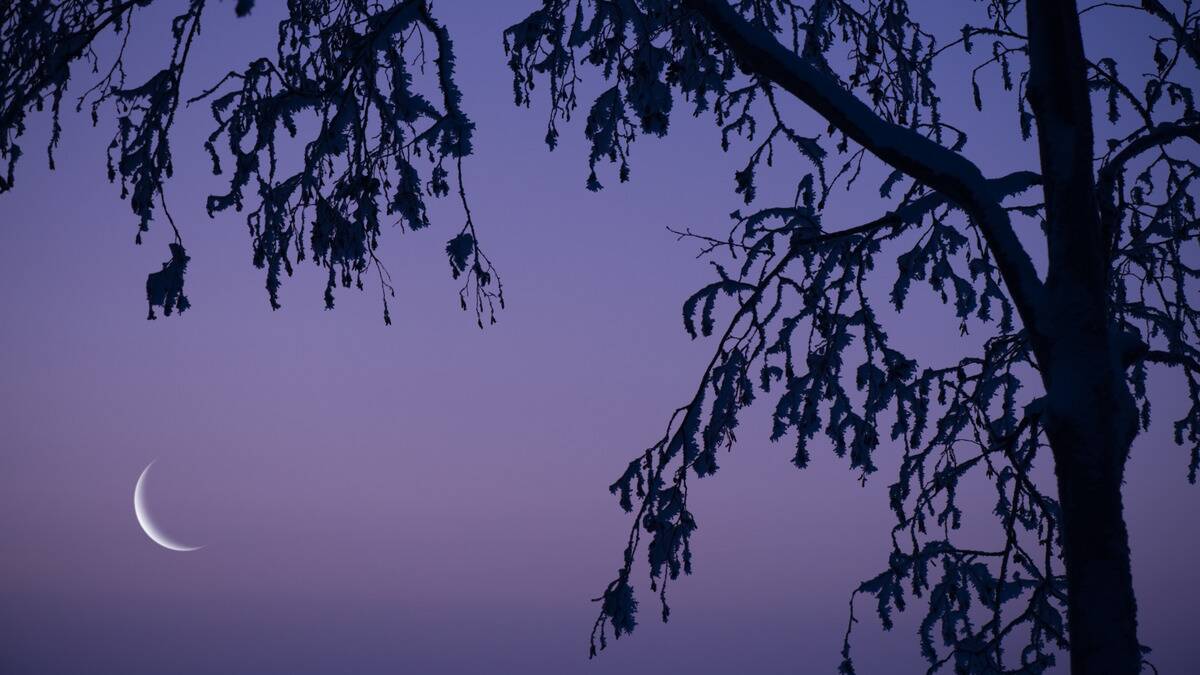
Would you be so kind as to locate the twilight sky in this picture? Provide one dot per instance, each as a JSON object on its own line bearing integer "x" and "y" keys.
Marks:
{"x": 428, "y": 497}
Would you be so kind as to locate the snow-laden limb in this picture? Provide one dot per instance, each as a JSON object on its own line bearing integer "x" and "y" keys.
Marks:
{"x": 915, "y": 155}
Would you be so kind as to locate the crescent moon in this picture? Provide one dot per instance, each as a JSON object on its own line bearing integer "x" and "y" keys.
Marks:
{"x": 148, "y": 525}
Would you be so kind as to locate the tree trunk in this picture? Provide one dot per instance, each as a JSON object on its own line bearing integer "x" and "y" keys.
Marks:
{"x": 1090, "y": 428}
{"x": 1101, "y": 608}
{"x": 1090, "y": 416}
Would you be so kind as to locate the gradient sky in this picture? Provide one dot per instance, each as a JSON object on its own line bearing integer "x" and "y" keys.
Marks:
{"x": 430, "y": 498}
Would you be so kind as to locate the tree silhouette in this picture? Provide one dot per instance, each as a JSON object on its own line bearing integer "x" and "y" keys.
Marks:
{"x": 1076, "y": 294}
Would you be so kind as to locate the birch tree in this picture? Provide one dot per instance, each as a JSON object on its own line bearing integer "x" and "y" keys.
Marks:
{"x": 1118, "y": 225}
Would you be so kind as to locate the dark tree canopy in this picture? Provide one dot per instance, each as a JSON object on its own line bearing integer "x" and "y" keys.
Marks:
{"x": 1076, "y": 274}
{"x": 376, "y": 139}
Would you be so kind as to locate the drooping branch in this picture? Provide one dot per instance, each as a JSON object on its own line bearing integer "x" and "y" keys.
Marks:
{"x": 804, "y": 265}
{"x": 930, "y": 163}
{"x": 379, "y": 144}
{"x": 1160, "y": 135}
{"x": 1111, "y": 172}
{"x": 1188, "y": 41}
{"x": 35, "y": 63}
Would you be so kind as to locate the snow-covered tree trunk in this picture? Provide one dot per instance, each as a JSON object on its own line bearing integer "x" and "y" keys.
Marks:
{"x": 1090, "y": 422}
{"x": 1090, "y": 415}
{"x": 1090, "y": 437}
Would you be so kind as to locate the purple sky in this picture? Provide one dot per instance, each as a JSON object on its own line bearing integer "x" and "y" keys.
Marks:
{"x": 430, "y": 498}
